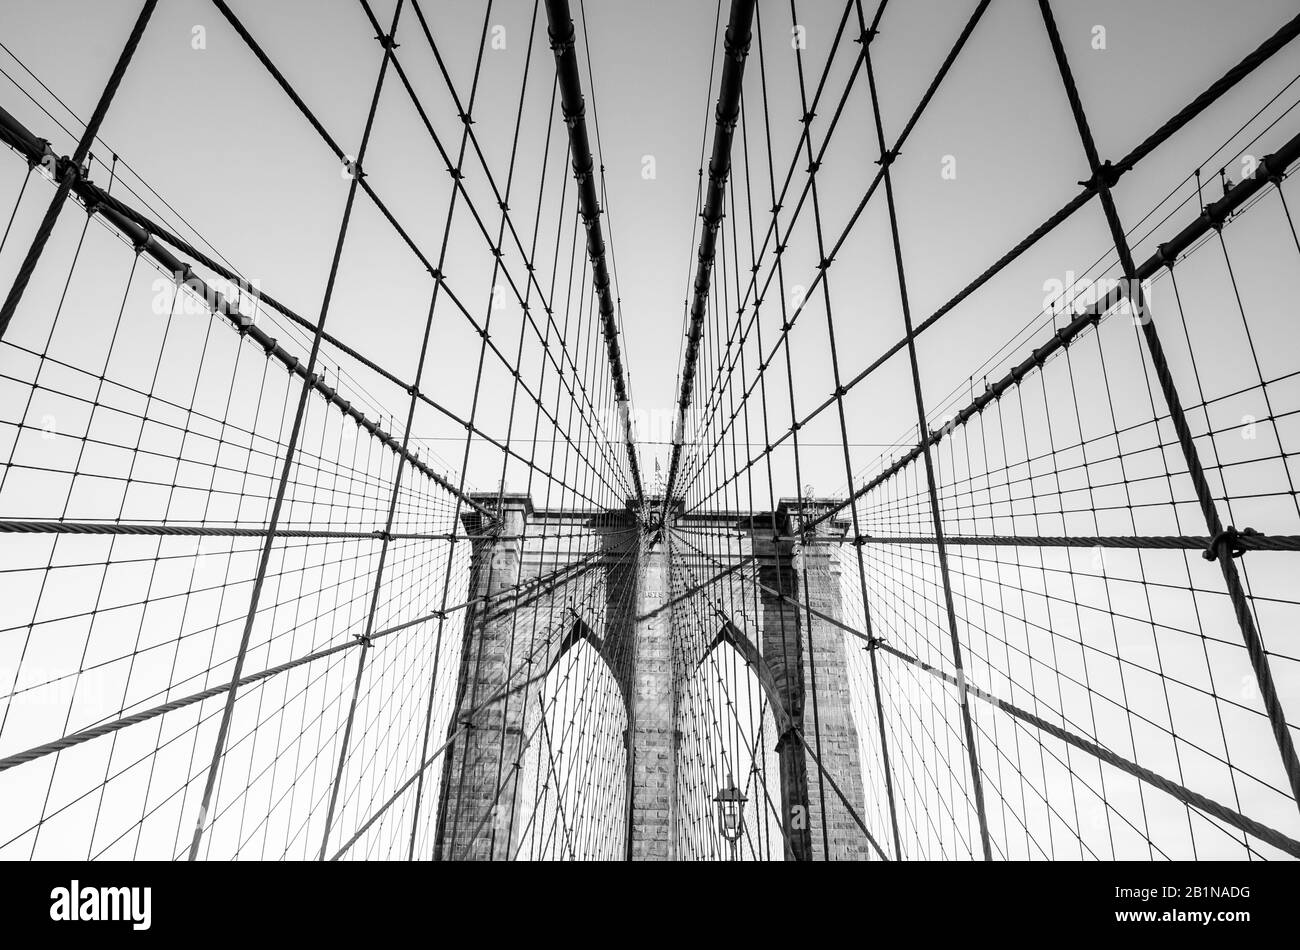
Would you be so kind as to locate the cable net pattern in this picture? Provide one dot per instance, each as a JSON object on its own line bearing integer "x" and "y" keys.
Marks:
{"x": 972, "y": 542}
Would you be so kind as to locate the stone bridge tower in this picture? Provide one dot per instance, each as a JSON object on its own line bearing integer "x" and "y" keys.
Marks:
{"x": 627, "y": 620}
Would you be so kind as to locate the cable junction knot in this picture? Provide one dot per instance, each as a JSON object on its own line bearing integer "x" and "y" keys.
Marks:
{"x": 1231, "y": 539}
{"x": 64, "y": 169}
{"x": 1106, "y": 175}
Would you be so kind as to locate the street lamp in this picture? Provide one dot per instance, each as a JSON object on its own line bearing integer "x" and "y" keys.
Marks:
{"x": 731, "y": 813}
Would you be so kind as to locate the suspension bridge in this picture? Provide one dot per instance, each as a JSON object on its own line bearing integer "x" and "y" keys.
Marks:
{"x": 341, "y": 541}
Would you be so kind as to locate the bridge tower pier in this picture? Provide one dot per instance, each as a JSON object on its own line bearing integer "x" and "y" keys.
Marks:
{"x": 479, "y": 774}
{"x": 477, "y": 817}
{"x": 798, "y": 656}
{"x": 808, "y": 662}
{"x": 652, "y": 718}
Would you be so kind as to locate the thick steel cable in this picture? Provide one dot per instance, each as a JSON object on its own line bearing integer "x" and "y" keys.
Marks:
{"x": 776, "y": 272}
{"x": 219, "y": 746}
{"x": 128, "y": 223}
{"x": 458, "y": 184}
{"x": 1273, "y": 168}
{"x": 1194, "y": 799}
{"x": 1210, "y": 807}
{"x": 455, "y": 730}
{"x": 735, "y": 45}
{"x": 1283, "y": 36}
{"x": 1103, "y": 178}
{"x": 562, "y": 35}
{"x": 70, "y": 171}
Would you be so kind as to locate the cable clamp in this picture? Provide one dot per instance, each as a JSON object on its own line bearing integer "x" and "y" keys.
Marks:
{"x": 92, "y": 203}
{"x": 1272, "y": 169}
{"x": 1230, "y": 537}
{"x": 562, "y": 44}
{"x": 65, "y": 168}
{"x": 47, "y": 159}
{"x": 1106, "y": 174}
{"x": 1165, "y": 256}
{"x": 1214, "y": 216}
{"x": 364, "y": 639}
{"x": 736, "y": 49}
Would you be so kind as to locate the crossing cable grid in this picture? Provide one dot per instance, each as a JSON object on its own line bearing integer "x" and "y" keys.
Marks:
{"x": 1013, "y": 698}
{"x": 177, "y": 455}
{"x": 239, "y": 623}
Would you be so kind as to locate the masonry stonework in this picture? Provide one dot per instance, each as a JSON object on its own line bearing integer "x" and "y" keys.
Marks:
{"x": 803, "y": 659}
